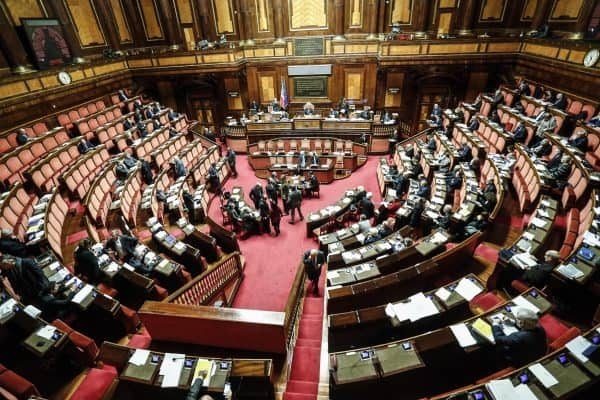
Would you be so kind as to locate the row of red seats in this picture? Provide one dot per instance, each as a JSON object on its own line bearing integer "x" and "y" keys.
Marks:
{"x": 495, "y": 141}
{"x": 578, "y": 223}
{"x": 147, "y": 145}
{"x": 8, "y": 140}
{"x": 78, "y": 178}
{"x": 97, "y": 201}
{"x": 69, "y": 118}
{"x": 46, "y": 171}
{"x": 24, "y": 156}
{"x": 525, "y": 180}
{"x": 130, "y": 197}
{"x": 166, "y": 151}
{"x": 574, "y": 107}
{"x": 56, "y": 214}
{"x": 16, "y": 209}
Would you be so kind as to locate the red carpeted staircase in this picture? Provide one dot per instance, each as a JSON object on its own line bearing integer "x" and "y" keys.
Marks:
{"x": 304, "y": 377}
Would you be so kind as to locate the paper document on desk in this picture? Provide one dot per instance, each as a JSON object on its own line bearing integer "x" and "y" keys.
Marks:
{"x": 543, "y": 375}
{"x": 577, "y": 346}
{"x": 32, "y": 311}
{"x": 7, "y": 307}
{"x": 421, "y": 307}
{"x": 139, "y": 357}
{"x": 46, "y": 332}
{"x": 82, "y": 294}
{"x": 540, "y": 223}
{"x": 502, "y": 389}
{"x": 523, "y": 302}
{"x": 171, "y": 368}
{"x": 528, "y": 236}
{"x": 443, "y": 294}
{"x": 389, "y": 310}
{"x": 591, "y": 238}
{"x": 463, "y": 335}
{"x": 484, "y": 329}
{"x": 467, "y": 289}
{"x": 569, "y": 271}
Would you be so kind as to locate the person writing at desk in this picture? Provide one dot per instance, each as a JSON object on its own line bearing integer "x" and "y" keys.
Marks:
{"x": 521, "y": 347}
{"x": 313, "y": 261}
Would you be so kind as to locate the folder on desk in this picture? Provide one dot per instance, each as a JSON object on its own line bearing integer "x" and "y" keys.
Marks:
{"x": 483, "y": 329}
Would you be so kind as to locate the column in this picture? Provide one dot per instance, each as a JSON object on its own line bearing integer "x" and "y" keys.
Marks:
{"x": 11, "y": 46}
{"x": 585, "y": 14}
{"x": 339, "y": 24}
{"x": 247, "y": 15}
{"x": 419, "y": 16}
{"x": 208, "y": 28}
{"x": 467, "y": 17}
{"x": 372, "y": 13}
{"x": 110, "y": 25}
{"x": 172, "y": 27}
{"x": 239, "y": 12}
{"x": 61, "y": 14}
{"x": 278, "y": 21}
{"x": 541, "y": 14}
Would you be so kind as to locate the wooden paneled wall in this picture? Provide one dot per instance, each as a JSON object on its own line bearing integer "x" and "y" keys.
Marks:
{"x": 91, "y": 26}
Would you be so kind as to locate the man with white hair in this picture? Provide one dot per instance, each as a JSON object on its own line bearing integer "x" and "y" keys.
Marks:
{"x": 525, "y": 345}
{"x": 9, "y": 244}
{"x": 313, "y": 261}
{"x": 538, "y": 274}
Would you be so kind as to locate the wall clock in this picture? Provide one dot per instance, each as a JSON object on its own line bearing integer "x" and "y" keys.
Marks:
{"x": 64, "y": 77}
{"x": 591, "y": 57}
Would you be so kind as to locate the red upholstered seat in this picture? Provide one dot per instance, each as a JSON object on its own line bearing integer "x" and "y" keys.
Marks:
{"x": 107, "y": 290}
{"x": 553, "y": 326}
{"x": 129, "y": 319}
{"x": 519, "y": 286}
{"x": 140, "y": 341}
{"x": 160, "y": 292}
{"x": 87, "y": 350}
{"x": 16, "y": 384}
{"x": 96, "y": 383}
{"x": 486, "y": 301}
{"x": 563, "y": 339}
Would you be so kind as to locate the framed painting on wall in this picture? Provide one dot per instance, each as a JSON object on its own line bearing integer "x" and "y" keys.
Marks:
{"x": 48, "y": 43}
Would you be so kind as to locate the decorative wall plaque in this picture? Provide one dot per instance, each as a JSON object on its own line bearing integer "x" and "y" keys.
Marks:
{"x": 309, "y": 47}
{"x": 310, "y": 86}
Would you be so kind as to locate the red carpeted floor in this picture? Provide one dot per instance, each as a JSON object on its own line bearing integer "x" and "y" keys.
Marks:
{"x": 271, "y": 262}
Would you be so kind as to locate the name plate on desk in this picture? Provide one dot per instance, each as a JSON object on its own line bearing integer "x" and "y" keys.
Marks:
{"x": 309, "y": 47}
{"x": 310, "y": 86}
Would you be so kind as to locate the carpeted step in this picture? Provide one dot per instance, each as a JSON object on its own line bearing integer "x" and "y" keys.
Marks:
{"x": 305, "y": 366}
{"x": 299, "y": 396}
{"x": 310, "y": 329}
{"x": 313, "y": 306}
{"x": 305, "y": 387}
{"x": 309, "y": 342}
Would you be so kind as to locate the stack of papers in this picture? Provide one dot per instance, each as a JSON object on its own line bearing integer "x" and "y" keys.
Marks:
{"x": 569, "y": 271}
{"x": 82, "y": 294}
{"x": 463, "y": 335}
{"x": 139, "y": 357}
{"x": 577, "y": 346}
{"x": 7, "y": 307}
{"x": 503, "y": 389}
{"x": 522, "y": 302}
{"x": 171, "y": 368}
{"x": 46, "y": 332}
{"x": 417, "y": 307}
{"x": 543, "y": 375}
{"x": 443, "y": 294}
{"x": 467, "y": 289}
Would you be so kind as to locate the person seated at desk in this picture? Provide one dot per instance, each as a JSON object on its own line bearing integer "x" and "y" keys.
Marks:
{"x": 313, "y": 158}
{"x": 548, "y": 96}
{"x": 465, "y": 153}
{"x": 417, "y": 211}
{"x": 363, "y": 223}
{"x": 579, "y": 141}
{"x": 444, "y": 163}
{"x": 156, "y": 123}
{"x": 424, "y": 189}
{"x": 435, "y": 121}
{"x": 431, "y": 145}
{"x": 400, "y": 183}
{"x": 474, "y": 123}
{"x": 436, "y": 111}
{"x": 343, "y": 105}
{"x": 128, "y": 123}
{"x": 249, "y": 223}
{"x": 371, "y": 236}
{"x": 548, "y": 124}
{"x": 555, "y": 160}
{"x": 478, "y": 224}
{"x": 366, "y": 206}
{"x": 454, "y": 179}
{"x": 309, "y": 108}
{"x": 497, "y": 98}
{"x": 387, "y": 227}
{"x": 595, "y": 121}
{"x": 524, "y": 89}
{"x": 86, "y": 263}
{"x": 542, "y": 149}
{"x": 560, "y": 102}
{"x": 488, "y": 197}
{"x": 538, "y": 274}
{"x": 122, "y": 247}
{"x": 188, "y": 201}
{"x": 27, "y": 281}
{"x": 137, "y": 105}
{"x": 275, "y": 105}
{"x": 402, "y": 244}
{"x": 494, "y": 117}
{"x": 313, "y": 183}
{"x": 256, "y": 194}
{"x": 560, "y": 174}
{"x": 141, "y": 127}
{"x": 172, "y": 115}
{"x": 475, "y": 166}
{"x": 446, "y": 217}
{"x": 313, "y": 261}
{"x": 387, "y": 118}
{"x": 122, "y": 96}
{"x": 9, "y": 244}
{"x": 22, "y": 137}
{"x": 178, "y": 167}
{"x": 460, "y": 114}
{"x": 520, "y": 133}
{"x": 522, "y": 347}
{"x": 254, "y": 106}
{"x": 213, "y": 178}
{"x": 209, "y": 134}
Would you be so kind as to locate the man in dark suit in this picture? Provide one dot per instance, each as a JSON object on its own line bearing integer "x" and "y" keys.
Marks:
{"x": 313, "y": 183}
{"x": 538, "y": 274}
{"x": 424, "y": 189}
{"x": 256, "y": 194}
{"x": 263, "y": 210}
{"x": 580, "y": 140}
{"x": 86, "y": 263}
{"x": 230, "y": 155}
{"x": 464, "y": 153}
{"x": 122, "y": 95}
{"x": 275, "y": 216}
{"x": 208, "y": 133}
{"x": 178, "y": 167}
{"x": 415, "y": 215}
{"x": 142, "y": 129}
{"x": 213, "y": 178}
{"x": 314, "y": 159}
{"x": 9, "y": 244}
{"x": 22, "y": 137}
{"x": 366, "y": 206}
{"x": 520, "y": 133}
{"x": 294, "y": 204}
{"x": 522, "y": 347}
{"x": 301, "y": 160}
{"x": 128, "y": 124}
{"x": 188, "y": 201}
{"x": 172, "y": 115}
{"x": 560, "y": 102}
{"x": 401, "y": 183}
{"x": 313, "y": 261}
{"x": 474, "y": 124}
{"x": 524, "y": 89}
